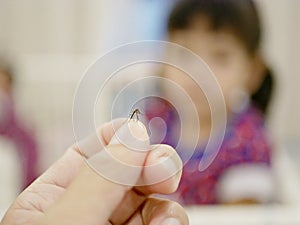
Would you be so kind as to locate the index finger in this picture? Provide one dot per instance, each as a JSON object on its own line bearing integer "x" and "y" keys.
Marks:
{"x": 63, "y": 171}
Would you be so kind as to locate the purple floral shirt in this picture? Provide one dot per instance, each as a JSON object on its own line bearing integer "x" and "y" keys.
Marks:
{"x": 245, "y": 141}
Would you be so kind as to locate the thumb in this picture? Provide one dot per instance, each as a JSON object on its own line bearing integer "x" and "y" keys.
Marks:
{"x": 104, "y": 180}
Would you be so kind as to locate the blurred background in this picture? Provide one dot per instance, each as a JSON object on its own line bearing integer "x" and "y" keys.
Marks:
{"x": 51, "y": 43}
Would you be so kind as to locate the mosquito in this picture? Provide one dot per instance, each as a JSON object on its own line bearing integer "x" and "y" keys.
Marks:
{"x": 135, "y": 114}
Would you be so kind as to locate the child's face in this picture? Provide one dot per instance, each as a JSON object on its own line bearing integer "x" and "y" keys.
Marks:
{"x": 223, "y": 52}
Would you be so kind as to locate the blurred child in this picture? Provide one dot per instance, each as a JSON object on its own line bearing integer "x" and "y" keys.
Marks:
{"x": 12, "y": 129}
{"x": 226, "y": 34}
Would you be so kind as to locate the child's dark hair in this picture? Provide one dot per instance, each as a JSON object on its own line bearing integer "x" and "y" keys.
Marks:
{"x": 241, "y": 17}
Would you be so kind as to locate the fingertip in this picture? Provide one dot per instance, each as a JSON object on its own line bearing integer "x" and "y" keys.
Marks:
{"x": 96, "y": 141}
{"x": 159, "y": 211}
{"x": 133, "y": 135}
{"x": 162, "y": 170}
{"x": 122, "y": 160}
{"x": 108, "y": 130}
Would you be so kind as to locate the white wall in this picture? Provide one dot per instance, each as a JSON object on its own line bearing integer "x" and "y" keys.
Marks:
{"x": 282, "y": 47}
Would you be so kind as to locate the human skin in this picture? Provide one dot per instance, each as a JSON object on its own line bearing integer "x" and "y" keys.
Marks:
{"x": 235, "y": 69}
{"x": 72, "y": 192}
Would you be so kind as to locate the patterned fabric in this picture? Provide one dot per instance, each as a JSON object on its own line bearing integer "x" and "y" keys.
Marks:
{"x": 26, "y": 146}
{"x": 245, "y": 142}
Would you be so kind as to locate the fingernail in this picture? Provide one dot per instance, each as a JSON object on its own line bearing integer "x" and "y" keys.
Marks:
{"x": 163, "y": 164}
{"x": 170, "y": 221}
{"x": 133, "y": 135}
{"x": 168, "y": 163}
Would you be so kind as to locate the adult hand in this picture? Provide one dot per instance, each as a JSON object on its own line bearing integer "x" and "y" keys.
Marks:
{"x": 72, "y": 192}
